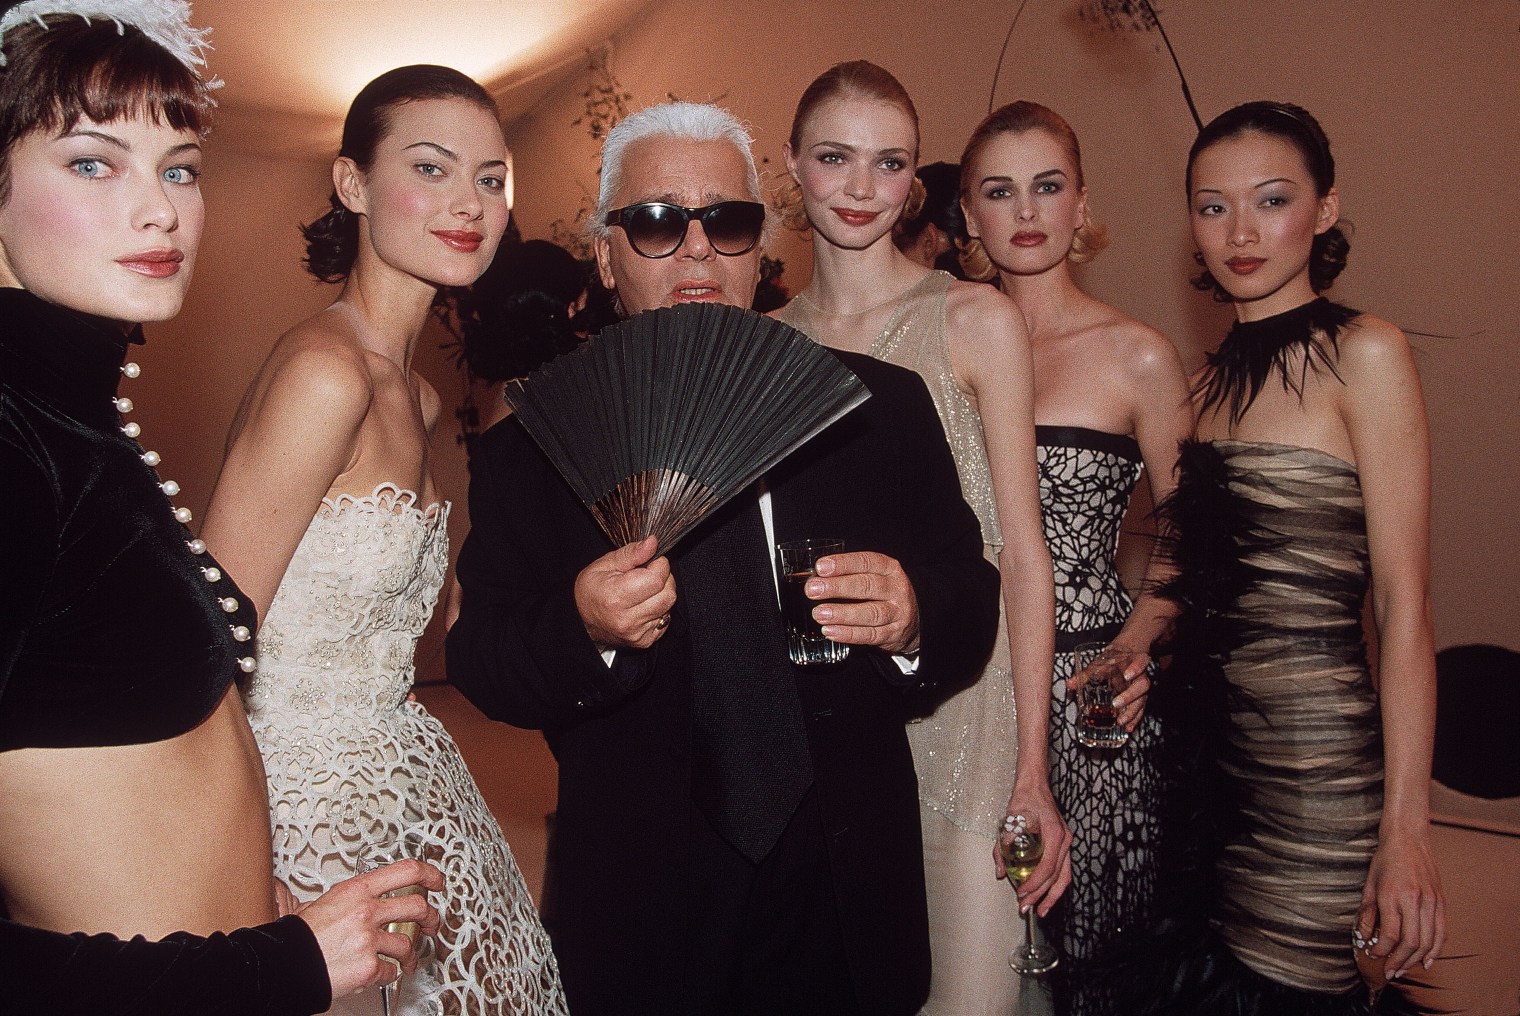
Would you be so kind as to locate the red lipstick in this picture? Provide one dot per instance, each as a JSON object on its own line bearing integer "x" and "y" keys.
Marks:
{"x": 160, "y": 263}
{"x": 466, "y": 240}
{"x": 1244, "y": 266}
{"x": 855, "y": 216}
{"x": 1028, "y": 238}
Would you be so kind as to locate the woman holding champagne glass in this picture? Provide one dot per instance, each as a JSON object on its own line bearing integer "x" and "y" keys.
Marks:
{"x": 131, "y": 793}
{"x": 1110, "y": 404}
{"x": 852, "y": 152}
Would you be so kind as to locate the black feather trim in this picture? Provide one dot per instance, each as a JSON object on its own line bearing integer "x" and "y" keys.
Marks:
{"x": 1239, "y": 368}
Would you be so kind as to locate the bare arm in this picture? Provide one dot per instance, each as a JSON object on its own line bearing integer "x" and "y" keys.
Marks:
{"x": 989, "y": 351}
{"x": 297, "y": 432}
{"x": 1162, "y": 417}
{"x": 1384, "y": 413}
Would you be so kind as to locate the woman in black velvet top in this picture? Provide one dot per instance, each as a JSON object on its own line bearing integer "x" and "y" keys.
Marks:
{"x": 131, "y": 792}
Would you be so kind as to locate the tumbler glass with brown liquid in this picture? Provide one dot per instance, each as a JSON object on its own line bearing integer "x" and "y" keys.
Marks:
{"x": 797, "y": 561}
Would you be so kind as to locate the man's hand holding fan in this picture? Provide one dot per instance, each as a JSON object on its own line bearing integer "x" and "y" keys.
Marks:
{"x": 661, "y": 419}
{"x": 625, "y": 597}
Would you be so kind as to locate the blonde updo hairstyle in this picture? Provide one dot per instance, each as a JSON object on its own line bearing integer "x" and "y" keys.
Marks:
{"x": 854, "y": 79}
{"x": 1018, "y": 118}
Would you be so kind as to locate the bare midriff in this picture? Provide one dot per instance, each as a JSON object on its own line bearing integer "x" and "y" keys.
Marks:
{"x": 142, "y": 839}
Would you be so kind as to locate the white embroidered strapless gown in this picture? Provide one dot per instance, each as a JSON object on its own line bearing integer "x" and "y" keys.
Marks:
{"x": 353, "y": 765}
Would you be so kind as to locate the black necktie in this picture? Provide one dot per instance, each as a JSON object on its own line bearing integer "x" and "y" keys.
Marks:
{"x": 750, "y": 756}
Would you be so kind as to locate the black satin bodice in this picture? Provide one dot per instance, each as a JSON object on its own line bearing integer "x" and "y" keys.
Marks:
{"x": 113, "y": 630}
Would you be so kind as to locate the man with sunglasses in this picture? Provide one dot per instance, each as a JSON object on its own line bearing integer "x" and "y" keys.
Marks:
{"x": 734, "y": 835}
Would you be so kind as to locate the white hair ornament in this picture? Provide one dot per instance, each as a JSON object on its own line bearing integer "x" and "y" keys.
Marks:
{"x": 166, "y": 22}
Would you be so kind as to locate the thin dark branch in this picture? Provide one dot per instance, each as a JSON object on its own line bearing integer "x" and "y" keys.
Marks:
{"x": 1187, "y": 93}
{"x": 992, "y": 95}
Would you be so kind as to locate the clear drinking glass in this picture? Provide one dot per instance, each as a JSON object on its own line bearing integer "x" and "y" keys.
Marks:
{"x": 1022, "y": 849}
{"x": 796, "y": 563}
{"x": 374, "y": 856}
{"x": 1097, "y": 719}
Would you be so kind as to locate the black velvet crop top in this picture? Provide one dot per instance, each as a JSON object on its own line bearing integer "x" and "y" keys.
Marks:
{"x": 116, "y": 626}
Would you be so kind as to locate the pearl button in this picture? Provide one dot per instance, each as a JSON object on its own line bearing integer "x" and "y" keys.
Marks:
{"x": 123, "y": 405}
{"x": 228, "y": 604}
{"x": 241, "y": 633}
{"x": 152, "y": 458}
{"x": 248, "y": 664}
{"x": 182, "y": 516}
{"x": 197, "y": 547}
{"x": 169, "y": 487}
{"x": 212, "y": 574}
{"x": 131, "y": 430}
{"x": 131, "y": 370}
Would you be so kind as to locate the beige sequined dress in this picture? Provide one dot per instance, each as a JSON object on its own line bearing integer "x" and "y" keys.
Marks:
{"x": 966, "y": 751}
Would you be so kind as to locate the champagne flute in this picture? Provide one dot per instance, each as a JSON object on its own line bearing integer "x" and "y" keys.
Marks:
{"x": 1022, "y": 849}
{"x": 371, "y": 858}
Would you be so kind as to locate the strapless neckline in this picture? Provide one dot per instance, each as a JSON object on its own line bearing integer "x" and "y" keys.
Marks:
{"x": 1279, "y": 447}
{"x": 388, "y": 498}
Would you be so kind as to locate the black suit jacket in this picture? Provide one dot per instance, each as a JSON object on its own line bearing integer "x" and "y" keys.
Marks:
{"x": 881, "y": 479}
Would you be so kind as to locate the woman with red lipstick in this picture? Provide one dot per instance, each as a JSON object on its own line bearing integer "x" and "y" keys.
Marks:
{"x": 852, "y": 152}
{"x": 132, "y": 802}
{"x": 327, "y": 510}
{"x": 1305, "y": 811}
{"x": 1110, "y": 403}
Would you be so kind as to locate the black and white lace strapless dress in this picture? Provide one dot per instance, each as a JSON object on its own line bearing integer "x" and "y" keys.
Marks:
{"x": 1109, "y": 797}
{"x": 352, "y": 765}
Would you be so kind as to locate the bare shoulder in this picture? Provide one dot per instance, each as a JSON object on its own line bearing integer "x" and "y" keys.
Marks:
{"x": 976, "y": 313}
{"x": 1370, "y": 344}
{"x": 318, "y": 363}
{"x": 1146, "y": 354}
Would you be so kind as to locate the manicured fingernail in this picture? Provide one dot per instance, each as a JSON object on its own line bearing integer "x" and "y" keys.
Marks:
{"x": 823, "y": 613}
{"x": 829, "y": 631}
{"x": 814, "y": 587}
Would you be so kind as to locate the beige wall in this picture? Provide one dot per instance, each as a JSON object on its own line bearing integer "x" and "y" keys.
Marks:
{"x": 1418, "y": 98}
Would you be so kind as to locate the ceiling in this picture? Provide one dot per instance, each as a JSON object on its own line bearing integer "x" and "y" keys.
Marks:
{"x": 291, "y": 66}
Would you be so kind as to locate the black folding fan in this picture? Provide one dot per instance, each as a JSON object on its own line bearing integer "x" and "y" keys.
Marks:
{"x": 659, "y": 419}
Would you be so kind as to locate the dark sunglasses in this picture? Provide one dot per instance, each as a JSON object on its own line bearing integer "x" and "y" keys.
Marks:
{"x": 656, "y": 229}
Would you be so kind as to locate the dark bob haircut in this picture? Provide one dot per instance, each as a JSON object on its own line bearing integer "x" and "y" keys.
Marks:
{"x": 332, "y": 241}
{"x": 1295, "y": 125}
{"x": 74, "y": 69}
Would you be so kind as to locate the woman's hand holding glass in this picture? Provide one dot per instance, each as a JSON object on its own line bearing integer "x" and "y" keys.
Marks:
{"x": 1043, "y": 888}
{"x": 1130, "y": 703}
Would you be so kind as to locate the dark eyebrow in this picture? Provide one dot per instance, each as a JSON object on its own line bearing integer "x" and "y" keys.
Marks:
{"x": 98, "y": 136}
{"x": 436, "y": 147}
{"x": 188, "y": 146}
{"x": 494, "y": 164}
{"x": 1254, "y": 186}
{"x": 1050, "y": 172}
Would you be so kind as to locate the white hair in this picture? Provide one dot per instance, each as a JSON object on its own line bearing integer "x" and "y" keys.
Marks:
{"x": 690, "y": 120}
